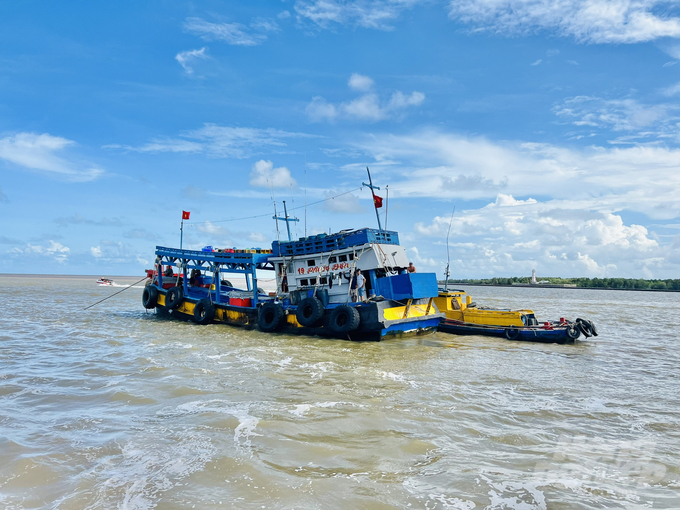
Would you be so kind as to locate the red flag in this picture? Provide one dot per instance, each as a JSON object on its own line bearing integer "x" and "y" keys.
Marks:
{"x": 377, "y": 201}
{"x": 185, "y": 215}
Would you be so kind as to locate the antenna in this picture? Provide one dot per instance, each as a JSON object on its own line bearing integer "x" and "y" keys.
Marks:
{"x": 387, "y": 202}
{"x": 305, "y": 194}
{"x": 448, "y": 258}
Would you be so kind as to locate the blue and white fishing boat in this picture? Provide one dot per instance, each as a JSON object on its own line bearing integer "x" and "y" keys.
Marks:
{"x": 313, "y": 287}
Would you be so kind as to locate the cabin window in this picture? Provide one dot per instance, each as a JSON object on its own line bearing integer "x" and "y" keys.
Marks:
{"x": 351, "y": 256}
{"x": 304, "y": 283}
{"x": 291, "y": 269}
{"x": 311, "y": 263}
{"x": 312, "y": 281}
{"x": 343, "y": 258}
{"x": 332, "y": 260}
{"x": 324, "y": 281}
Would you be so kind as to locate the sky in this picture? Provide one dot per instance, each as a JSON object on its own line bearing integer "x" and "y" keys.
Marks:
{"x": 545, "y": 135}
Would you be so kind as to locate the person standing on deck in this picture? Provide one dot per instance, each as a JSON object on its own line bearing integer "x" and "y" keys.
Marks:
{"x": 361, "y": 286}
{"x": 411, "y": 268}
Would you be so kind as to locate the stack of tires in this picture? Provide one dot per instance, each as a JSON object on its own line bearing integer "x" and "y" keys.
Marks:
{"x": 310, "y": 313}
{"x": 204, "y": 309}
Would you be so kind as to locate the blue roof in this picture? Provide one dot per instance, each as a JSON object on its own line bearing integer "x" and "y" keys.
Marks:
{"x": 333, "y": 242}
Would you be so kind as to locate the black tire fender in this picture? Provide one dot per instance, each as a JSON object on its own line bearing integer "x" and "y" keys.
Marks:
{"x": 584, "y": 326}
{"x": 204, "y": 312}
{"x": 344, "y": 319}
{"x": 593, "y": 329}
{"x": 270, "y": 317}
{"x": 310, "y": 312}
{"x": 512, "y": 333}
{"x": 573, "y": 332}
{"x": 150, "y": 297}
{"x": 173, "y": 297}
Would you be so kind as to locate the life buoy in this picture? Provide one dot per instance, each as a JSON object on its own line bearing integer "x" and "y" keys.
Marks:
{"x": 310, "y": 312}
{"x": 344, "y": 319}
{"x": 204, "y": 312}
{"x": 512, "y": 333}
{"x": 174, "y": 297}
{"x": 270, "y": 317}
{"x": 150, "y": 297}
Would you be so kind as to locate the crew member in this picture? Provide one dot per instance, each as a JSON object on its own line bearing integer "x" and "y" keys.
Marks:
{"x": 411, "y": 268}
{"x": 361, "y": 286}
{"x": 168, "y": 271}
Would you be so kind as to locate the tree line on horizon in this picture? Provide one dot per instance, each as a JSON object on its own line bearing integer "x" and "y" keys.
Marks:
{"x": 592, "y": 283}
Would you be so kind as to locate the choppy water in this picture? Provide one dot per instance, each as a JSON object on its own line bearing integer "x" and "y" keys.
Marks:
{"x": 114, "y": 408}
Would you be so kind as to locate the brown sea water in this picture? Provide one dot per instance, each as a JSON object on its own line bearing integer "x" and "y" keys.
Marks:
{"x": 115, "y": 408}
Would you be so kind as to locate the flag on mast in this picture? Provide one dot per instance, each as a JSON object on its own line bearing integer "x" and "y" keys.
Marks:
{"x": 185, "y": 215}
{"x": 377, "y": 201}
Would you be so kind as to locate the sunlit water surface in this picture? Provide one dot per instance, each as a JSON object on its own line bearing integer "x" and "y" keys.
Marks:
{"x": 115, "y": 408}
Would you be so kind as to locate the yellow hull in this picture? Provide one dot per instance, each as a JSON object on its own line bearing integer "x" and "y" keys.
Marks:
{"x": 456, "y": 306}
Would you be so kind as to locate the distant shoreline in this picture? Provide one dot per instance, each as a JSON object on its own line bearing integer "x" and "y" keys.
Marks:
{"x": 548, "y": 286}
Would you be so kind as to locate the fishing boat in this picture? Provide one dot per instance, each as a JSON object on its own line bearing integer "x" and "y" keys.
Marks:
{"x": 463, "y": 317}
{"x": 315, "y": 279}
{"x": 313, "y": 294}
{"x": 105, "y": 281}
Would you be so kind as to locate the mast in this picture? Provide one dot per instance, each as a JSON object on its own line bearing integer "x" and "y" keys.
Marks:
{"x": 375, "y": 205}
{"x": 287, "y": 219}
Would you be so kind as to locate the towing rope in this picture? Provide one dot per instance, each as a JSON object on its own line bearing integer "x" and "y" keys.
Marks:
{"x": 126, "y": 288}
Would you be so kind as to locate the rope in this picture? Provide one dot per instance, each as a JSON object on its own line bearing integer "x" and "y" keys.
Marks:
{"x": 126, "y": 288}
{"x": 263, "y": 215}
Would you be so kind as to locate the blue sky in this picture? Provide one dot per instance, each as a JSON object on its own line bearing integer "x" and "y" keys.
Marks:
{"x": 553, "y": 128}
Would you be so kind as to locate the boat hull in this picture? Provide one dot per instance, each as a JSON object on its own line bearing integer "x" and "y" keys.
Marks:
{"x": 557, "y": 335}
{"x": 378, "y": 320}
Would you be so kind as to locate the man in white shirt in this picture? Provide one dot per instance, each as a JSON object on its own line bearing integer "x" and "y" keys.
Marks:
{"x": 361, "y": 286}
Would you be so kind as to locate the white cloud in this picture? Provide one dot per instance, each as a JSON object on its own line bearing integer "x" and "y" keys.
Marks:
{"x": 231, "y": 33}
{"x": 360, "y": 82}
{"x": 592, "y": 21}
{"x": 515, "y": 236}
{"x": 673, "y": 90}
{"x": 377, "y": 14}
{"x": 264, "y": 174}
{"x": 622, "y": 114}
{"x": 96, "y": 251}
{"x": 536, "y": 62}
{"x": 443, "y": 165}
{"x": 38, "y": 152}
{"x": 211, "y": 229}
{"x": 185, "y": 59}
{"x": 257, "y": 237}
{"x": 219, "y": 141}
{"x": 53, "y": 250}
{"x": 366, "y": 107}
{"x": 320, "y": 109}
{"x": 347, "y": 203}
{"x": 658, "y": 120}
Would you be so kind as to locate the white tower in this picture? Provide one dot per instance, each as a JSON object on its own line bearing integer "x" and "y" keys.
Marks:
{"x": 533, "y": 277}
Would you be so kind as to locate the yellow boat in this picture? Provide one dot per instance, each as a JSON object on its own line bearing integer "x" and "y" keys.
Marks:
{"x": 463, "y": 317}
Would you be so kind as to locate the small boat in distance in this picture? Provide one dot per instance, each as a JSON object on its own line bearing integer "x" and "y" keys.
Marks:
{"x": 105, "y": 281}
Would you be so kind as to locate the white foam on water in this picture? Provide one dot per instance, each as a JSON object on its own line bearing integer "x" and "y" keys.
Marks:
{"x": 284, "y": 362}
{"x": 300, "y": 410}
{"x": 247, "y": 423}
{"x": 425, "y": 491}
{"x": 397, "y": 378}
{"x": 515, "y": 495}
